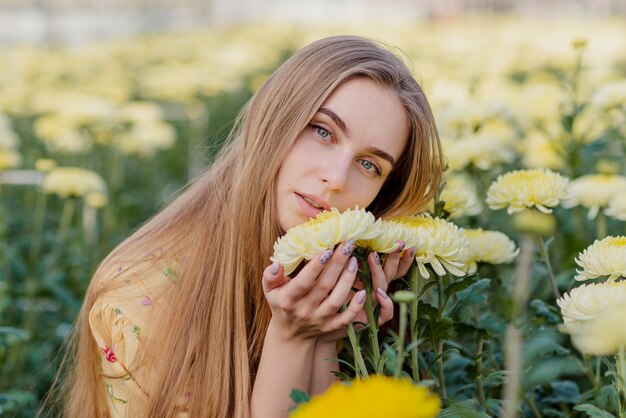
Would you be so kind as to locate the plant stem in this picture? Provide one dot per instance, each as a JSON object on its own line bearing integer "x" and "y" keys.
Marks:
{"x": 66, "y": 219}
{"x": 414, "y": 331}
{"x": 621, "y": 376}
{"x": 40, "y": 211}
{"x": 358, "y": 357}
{"x": 442, "y": 377}
{"x": 479, "y": 374}
{"x": 513, "y": 363}
{"x": 546, "y": 259}
{"x": 601, "y": 225}
{"x": 533, "y": 407}
{"x": 400, "y": 342}
{"x": 372, "y": 329}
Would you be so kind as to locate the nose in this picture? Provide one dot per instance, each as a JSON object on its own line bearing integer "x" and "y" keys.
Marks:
{"x": 334, "y": 172}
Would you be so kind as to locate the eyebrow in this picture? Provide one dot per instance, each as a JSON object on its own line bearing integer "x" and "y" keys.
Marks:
{"x": 341, "y": 124}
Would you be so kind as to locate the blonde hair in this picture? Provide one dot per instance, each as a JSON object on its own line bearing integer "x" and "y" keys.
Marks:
{"x": 219, "y": 296}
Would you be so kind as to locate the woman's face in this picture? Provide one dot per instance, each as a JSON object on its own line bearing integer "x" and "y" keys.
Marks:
{"x": 342, "y": 158}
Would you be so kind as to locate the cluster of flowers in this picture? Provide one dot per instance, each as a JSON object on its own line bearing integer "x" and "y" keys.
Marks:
{"x": 593, "y": 313}
{"x": 438, "y": 243}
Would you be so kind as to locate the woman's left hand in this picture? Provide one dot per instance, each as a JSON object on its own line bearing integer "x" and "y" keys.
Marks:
{"x": 396, "y": 265}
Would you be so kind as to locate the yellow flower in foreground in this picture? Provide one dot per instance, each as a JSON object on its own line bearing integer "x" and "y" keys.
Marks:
{"x": 617, "y": 206}
{"x": 491, "y": 247}
{"x": 595, "y": 191}
{"x": 437, "y": 242}
{"x": 593, "y": 316}
{"x": 521, "y": 189}
{"x": 603, "y": 258}
{"x": 379, "y": 396}
{"x": 72, "y": 182}
{"x": 328, "y": 229}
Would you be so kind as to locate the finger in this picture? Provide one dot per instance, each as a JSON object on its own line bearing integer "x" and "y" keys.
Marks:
{"x": 273, "y": 277}
{"x": 340, "y": 293}
{"x": 344, "y": 318}
{"x": 329, "y": 276}
{"x": 406, "y": 260}
{"x": 305, "y": 280}
{"x": 376, "y": 270}
{"x": 392, "y": 260}
{"x": 386, "y": 306}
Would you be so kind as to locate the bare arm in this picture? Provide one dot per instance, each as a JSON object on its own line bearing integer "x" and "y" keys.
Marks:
{"x": 286, "y": 364}
{"x": 322, "y": 374}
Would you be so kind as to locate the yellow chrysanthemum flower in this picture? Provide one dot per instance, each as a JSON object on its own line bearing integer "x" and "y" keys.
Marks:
{"x": 72, "y": 182}
{"x": 491, "y": 247}
{"x": 593, "y": 316}
{"x": 460, "y": 197}
{"x": 328, "y": 229}
{"x": 437, "y": 242}
{"x": 379, "y": 396}
{"x": 617, "y": 206}
{"x": 45, "y": 164}
{"x": 387, "y": 237}
{"x": 595, "y": 191}
{"x": 521, "y": 189}
{"x": 145, "y": 138}
{"x": 9, "y": 159}
{"x": 603, "y": 258}
{"x": 96, "y": 200}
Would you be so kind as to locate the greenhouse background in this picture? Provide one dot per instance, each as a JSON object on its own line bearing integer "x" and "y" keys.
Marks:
{"x": 108, "y": 108}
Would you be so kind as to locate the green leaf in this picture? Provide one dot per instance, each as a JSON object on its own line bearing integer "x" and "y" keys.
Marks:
{"x": 593, "y": 411}
{"x": 465, "y": 409}
{"x": 298, "y": 396}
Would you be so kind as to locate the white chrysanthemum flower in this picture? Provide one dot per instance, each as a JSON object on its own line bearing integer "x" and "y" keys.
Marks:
{"x": 146, "y": 138}
{"x": 439, "y": 243}
{"x": 9, "y": 159}
{"x": 603, "y": 258}
{"x": 45, "y": 164}
{"x": 539, "y": 152}
{"x": 491, "y": 247}
{"x": 328, "y": 229}
{"x": 481, "y": 151}
{"x": 617, "y": 206}
{"x": 460, "y": 197}
{"x": 595, "y": 191}
{"x": 141, "y": 111}
{"x": 521, "y": 189}
{"x": 72, "y": 182}
{"x": 388, "y": 235}
{"x": 610, "y": 95}
{"x": 593, "y": 315}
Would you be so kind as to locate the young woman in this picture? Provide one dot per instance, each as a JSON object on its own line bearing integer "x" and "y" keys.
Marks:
{"x": 186, "y": 318}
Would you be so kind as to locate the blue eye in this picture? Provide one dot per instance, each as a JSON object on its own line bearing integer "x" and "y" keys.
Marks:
{"x": 321, "y": 132}
{"x": 370, "y": 166}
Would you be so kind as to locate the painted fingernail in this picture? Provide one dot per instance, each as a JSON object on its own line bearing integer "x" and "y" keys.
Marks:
{"x": 352, "y": 265}
{"x": 326, "y": 256}
{"x": 360, "y": 296}
{"x": 401, "y": 245}
{"x": 382, "y": 293}
{"x": 348, "y": 247}
{"x": 377, "y": 259}
{"x": 412, "y": 253}
{"x": 275, "y": 267}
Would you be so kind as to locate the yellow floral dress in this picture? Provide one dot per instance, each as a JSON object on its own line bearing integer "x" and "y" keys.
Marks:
{"x": 117, "y": 319}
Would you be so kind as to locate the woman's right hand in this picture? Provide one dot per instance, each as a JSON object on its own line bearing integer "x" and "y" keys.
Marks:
{"x": 307, "y": 305}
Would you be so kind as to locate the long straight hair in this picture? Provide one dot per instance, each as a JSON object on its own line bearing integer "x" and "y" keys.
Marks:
{"x": 225, "y": 224}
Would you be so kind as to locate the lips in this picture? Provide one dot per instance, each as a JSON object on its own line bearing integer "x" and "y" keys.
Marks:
{"x": 311, "y": 205}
